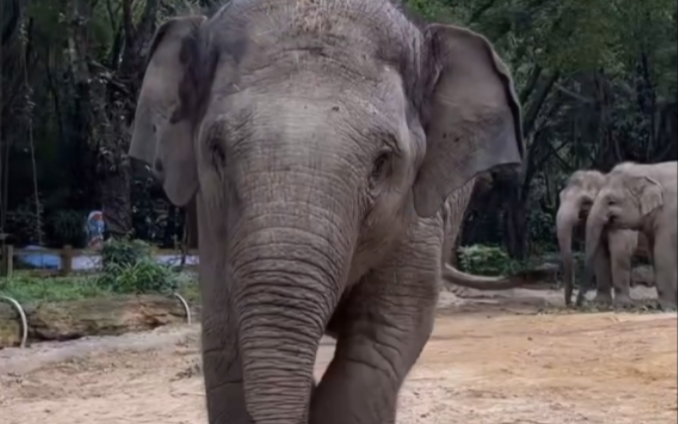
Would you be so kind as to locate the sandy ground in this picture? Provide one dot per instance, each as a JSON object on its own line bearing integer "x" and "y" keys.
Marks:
{"x": 492, "y": 360}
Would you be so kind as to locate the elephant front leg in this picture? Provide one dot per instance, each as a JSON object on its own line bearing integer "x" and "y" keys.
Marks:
{"x": 621, "y": 250}
{"x": 382, "y": 331}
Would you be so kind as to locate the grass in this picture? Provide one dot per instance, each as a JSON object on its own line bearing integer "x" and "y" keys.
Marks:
{"x": 25, "y": 286}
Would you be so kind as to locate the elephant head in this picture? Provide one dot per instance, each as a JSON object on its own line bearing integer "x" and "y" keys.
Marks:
{"x": 576, "y": 200}
{"x": 624, "y": 201}
{"x": 316, "y": 133}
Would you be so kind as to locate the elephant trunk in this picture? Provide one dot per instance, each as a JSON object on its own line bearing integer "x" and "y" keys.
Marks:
{"x": 566, "y": 220}
{"x": 288, "y": 261}
{"x": 595, "y": 224}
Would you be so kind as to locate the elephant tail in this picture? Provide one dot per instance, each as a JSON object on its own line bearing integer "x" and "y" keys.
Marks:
{"x": 524, "y": 278}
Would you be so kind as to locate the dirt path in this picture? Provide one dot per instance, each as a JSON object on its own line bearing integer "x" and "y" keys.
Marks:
{"x": 489, "y": 367}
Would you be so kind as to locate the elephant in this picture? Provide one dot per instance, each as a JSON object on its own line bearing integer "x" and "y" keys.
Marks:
{"x": 641, "y": 197}
{"x": 328, "y": 146}
{"x": 612, "y": 260}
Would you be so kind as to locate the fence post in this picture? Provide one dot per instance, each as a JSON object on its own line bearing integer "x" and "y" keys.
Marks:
{"x": 66, "y": 259}
{"x": 7, "y": 260}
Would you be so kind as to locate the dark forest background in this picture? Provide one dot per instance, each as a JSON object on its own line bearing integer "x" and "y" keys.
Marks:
{"x": 596, "y": 79}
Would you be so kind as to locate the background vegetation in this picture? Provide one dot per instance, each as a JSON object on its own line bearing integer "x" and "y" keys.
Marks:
{"x": 596, "y": 79}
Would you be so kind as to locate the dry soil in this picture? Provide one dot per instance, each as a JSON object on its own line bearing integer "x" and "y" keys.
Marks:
{"x": 491, "y": 360}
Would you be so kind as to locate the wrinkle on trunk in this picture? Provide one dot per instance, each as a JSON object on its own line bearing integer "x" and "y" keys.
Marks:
{"x": 221, "y": 361}
{"x": 288, "y": 275}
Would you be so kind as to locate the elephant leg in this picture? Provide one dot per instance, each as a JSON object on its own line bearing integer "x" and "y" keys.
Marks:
{"x": 621, "y": 250}
{"x": 382, "y": 330}
{"x": 603, "y": 276}
{"x": 666, "y": 274}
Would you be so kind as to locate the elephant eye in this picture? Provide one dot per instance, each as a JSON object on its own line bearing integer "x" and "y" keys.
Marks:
{"x": 380, "y": 165}
{"x": 154, "y": 129}
{"x": 611, "y": 202}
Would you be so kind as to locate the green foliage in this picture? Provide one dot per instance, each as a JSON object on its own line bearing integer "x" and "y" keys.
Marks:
{"x": 23, "y": 223}
{"x": 492, "y": 261}
{"x": 26, "y": 288}
{"x": 129, "y": 267}
{"x": 485, "y": 260}
{"x": 121, "y": 252}
{"x": 142, "y": 276}
{"x": 29, "y": 287}
{"x": 67, "y": 226}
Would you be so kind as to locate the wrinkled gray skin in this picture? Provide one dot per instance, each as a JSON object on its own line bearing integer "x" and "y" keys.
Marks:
{"x": 640, "y": 197}
{"x": 322, "y": 140}
{"x": 612, "y": 259}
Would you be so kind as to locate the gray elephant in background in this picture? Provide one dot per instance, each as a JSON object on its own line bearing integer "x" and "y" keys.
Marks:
{"x": 641, "y": 197}
{"x": 612, "y": 259}
{"x": 325, "y": 144}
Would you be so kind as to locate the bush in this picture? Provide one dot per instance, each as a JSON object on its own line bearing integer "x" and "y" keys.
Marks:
{"x": 67, "y": 227}
{"x": 129, "y": 267}
{"x": 123, "y": 252}
{"x": 143, "y": 276}
{"x": 489, "y": 260}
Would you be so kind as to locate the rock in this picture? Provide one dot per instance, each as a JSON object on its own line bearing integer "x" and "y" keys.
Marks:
{"x": 88, "y": 317}
{"x": 642, "y": 275}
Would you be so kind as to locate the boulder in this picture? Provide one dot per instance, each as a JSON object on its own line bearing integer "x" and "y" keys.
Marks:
{"x": 89, "y": 317}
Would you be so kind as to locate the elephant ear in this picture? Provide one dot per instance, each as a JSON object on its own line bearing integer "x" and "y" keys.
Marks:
{"x": 649, "y": 193}
{"x": 167, "y": 145}
{"x": 475, "y": 118}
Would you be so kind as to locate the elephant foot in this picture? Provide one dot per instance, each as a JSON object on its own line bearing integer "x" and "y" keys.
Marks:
{"x": 603, "y": 299}
{"x": 623, "y": 301}
{"x": 666, "y": 306}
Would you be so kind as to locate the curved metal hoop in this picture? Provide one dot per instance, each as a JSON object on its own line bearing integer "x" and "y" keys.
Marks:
{"x": 186, "y": 307}
{"x": 22, "y": 315}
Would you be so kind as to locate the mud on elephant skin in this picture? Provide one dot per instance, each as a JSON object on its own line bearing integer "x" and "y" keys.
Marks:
{"x": 320, "y": 140}
{"x": 612, "y": 259}
{"x": 641, "y": 197}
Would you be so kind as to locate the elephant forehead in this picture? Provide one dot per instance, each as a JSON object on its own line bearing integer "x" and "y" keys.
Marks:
{"x": 275, "y": 38}
{"x": 309, "y": 105}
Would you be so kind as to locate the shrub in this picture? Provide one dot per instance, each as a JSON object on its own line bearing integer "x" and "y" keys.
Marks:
{"x": 124, "y": 252}
{"x": 490, "y": 261}
{"x": 67, "y": 227}
{"x": 483, "y": 260}
{"x": 129, "y": 267}
{"x": 142, "y": 276}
